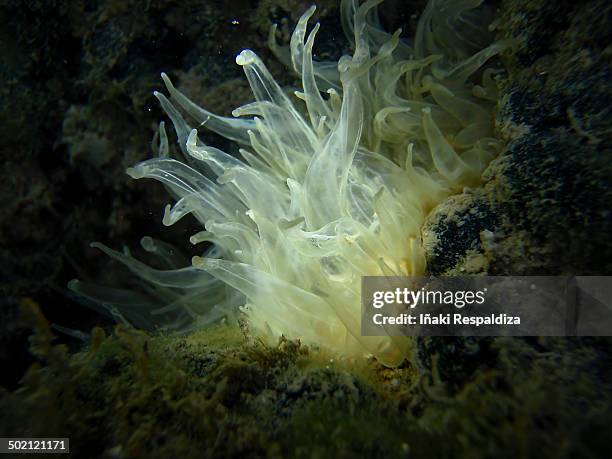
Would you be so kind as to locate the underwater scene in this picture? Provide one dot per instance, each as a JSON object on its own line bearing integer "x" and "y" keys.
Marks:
{"x": 296, "y": 229}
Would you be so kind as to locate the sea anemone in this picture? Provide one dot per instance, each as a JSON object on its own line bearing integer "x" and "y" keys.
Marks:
{"x": 328, "y": 188}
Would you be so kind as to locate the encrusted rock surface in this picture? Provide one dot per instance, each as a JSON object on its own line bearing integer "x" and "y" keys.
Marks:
{"x": 544, "y": 207}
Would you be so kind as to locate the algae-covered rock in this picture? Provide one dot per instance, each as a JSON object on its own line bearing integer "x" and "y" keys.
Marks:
{"x": 544, "y": 206}
{"x": 217, "y": 394}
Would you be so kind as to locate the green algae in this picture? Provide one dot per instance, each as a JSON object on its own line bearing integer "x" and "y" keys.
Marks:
{"x": 219, "y": 394}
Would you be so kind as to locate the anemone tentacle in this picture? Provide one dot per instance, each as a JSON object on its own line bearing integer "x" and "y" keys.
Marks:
{"x": 327, "y": 191}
